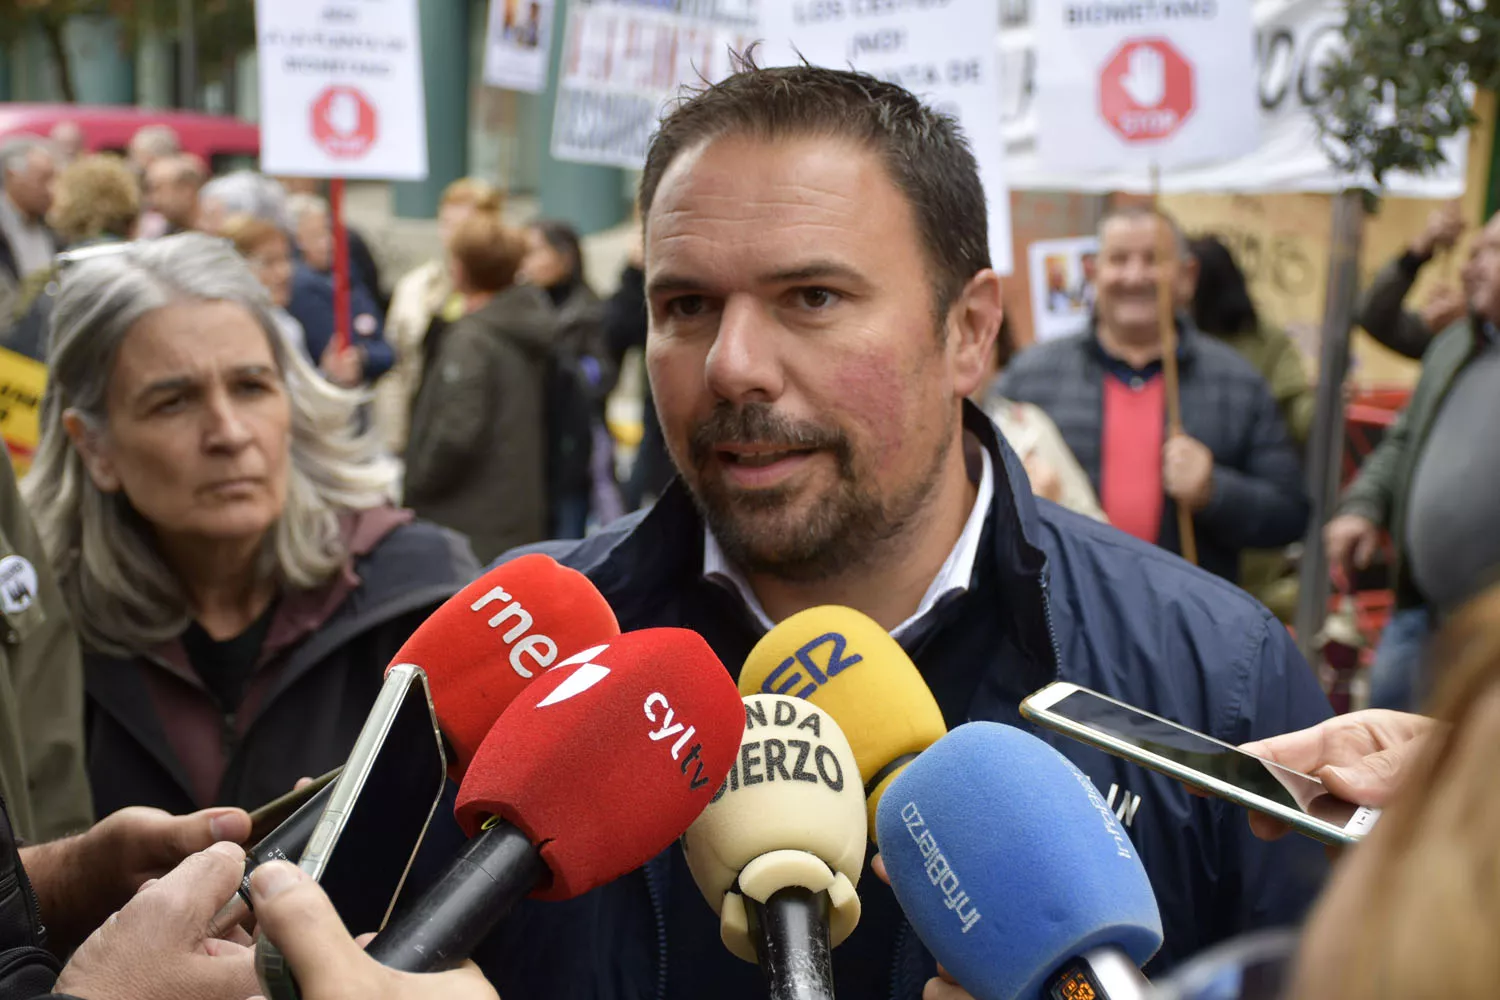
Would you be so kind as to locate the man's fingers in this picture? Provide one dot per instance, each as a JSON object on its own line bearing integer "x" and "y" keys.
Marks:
{"x": 198, "y": 887}
{"x": 299, "y": 918}
{"x": 1266, "y": 828}
{"x": 185, "y": 835}
{"x": 1364, "y": 548}
{"x": 877, "y": 865}
{"x": 938, "y": 989}
{"x": 1302, "y": 750}
{"x": 222, "y": 948}
{"x": 1371, "y": 781}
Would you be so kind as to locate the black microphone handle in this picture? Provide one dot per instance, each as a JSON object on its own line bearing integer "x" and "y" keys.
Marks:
{"x": 289, "y": 840}
{"x": 445, "y": 924}
{"x": 791, "y": 934}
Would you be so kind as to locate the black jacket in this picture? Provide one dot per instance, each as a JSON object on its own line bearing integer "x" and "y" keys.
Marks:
{"x": 156, "y": 736}
{"x": 27, "y": 968}
{"x": 580, "y": 376}
{"x": 1054, "y": 596}
{"x": 476, "y": 452}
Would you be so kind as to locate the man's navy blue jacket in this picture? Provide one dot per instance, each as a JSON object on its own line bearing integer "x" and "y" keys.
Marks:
{"x": 1054, "y": 596}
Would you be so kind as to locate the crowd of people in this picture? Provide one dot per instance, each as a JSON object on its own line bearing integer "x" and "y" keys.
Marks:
{"x": 402, "y": 345}
{"x": 237, "y": 513}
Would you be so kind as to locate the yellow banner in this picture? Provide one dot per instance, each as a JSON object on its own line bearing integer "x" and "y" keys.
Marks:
{"x": 22, "y": 382}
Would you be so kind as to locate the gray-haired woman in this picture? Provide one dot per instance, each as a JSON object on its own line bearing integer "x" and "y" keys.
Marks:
{"x": 223, "y": 541}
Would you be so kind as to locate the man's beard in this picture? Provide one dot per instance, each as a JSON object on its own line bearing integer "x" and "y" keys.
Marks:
{"x": 843, "y": 528}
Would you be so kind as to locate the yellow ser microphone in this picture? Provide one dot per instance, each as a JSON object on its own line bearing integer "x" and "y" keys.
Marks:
{"x": 842, "y": 661}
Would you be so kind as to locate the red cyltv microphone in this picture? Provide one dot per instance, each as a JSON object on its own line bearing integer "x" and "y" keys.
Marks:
{"x": 595, "y": 769}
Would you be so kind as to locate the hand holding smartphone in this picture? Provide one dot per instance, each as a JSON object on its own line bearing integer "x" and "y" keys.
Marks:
{"x": 1200, "y": 761}
{"x": 377, "y": 814}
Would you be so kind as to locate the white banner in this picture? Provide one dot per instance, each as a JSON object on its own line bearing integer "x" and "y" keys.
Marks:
{"x": 941, "y": 50}
{"x": 517, "y": 40}
{"x": 1122, "y": 83}
{"x": 622, "y": 62}
{"x": 1293, "y": 39}
{"x": 341, "y": 89}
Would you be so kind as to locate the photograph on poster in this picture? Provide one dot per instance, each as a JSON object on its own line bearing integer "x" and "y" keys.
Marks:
{"x": 515, "y": 55}
{"x": 1062, "y": 285}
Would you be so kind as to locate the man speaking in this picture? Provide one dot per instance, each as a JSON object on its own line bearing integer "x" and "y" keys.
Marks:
{"x": 821, "y": 304}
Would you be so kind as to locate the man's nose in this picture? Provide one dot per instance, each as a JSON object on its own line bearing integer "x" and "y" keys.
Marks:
{"x": 743, "y": 365}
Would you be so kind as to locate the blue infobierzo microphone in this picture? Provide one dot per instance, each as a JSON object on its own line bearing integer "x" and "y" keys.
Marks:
{"x": 1014, "y": 872}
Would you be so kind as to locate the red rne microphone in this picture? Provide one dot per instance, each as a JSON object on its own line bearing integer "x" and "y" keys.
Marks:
{"x": 486, "y": 643}
{"x": 594, "y": 770}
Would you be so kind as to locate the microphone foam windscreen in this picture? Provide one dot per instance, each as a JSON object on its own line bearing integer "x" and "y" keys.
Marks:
{"x": 491, "y": 639}
{"x": 608, "y": 758}
{"x": 842, "y": 661}
{"x": 791, "y": 812}
{"x": 1008, "y": 862}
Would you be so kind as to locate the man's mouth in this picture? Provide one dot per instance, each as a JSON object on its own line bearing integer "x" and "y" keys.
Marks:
{"x": 758, "y": 457}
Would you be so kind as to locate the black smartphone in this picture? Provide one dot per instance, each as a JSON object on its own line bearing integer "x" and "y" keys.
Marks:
{"x": 381, "y": 804}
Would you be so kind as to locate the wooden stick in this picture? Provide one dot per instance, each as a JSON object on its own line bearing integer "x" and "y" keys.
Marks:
{"x": 1166, "y": 316}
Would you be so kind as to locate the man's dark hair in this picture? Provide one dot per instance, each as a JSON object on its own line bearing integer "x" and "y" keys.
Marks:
{"x": 924, "y": 152}
{"x": 1221, "y": 303}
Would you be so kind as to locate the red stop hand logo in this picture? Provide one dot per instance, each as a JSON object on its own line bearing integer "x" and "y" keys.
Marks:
{"x": 343, "y": 122}
{"x": 1146, "y": 90}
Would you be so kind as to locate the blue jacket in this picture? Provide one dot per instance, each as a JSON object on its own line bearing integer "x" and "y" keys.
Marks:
{"x": 1258, "y": 501}
{"x": 312, "y": 305}
{"x": 1054, "y": 596}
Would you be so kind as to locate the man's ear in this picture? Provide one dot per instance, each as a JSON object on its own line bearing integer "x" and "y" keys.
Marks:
{"x": 95, "y": 458}
{"x": 973, "y": 323}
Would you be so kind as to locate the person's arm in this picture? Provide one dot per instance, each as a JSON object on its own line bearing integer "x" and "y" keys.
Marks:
{"x": 1381, "y": 314}
{"x": 47, "y": 673}
{"x": 1263, "y": 505}
{"x": 461, "y": 372}
{"x": 368, "y": 335}
{"x": 1373, "y": 491}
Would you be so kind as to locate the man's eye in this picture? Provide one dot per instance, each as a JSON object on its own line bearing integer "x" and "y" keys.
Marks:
{"x": 687, "y": 305}
{"x": 817, "y": 298}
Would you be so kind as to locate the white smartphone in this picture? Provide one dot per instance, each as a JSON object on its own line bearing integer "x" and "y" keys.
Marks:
{"x": 382, "y": 801}
{"x": 1193, "y": 758}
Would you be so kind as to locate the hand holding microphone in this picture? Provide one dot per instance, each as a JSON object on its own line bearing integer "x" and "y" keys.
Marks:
{"x": 591, "y": 772}
{"x": 1028, "y": 892}
{"x": 778, "y": 851}
{"x": 845, "y": 663}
